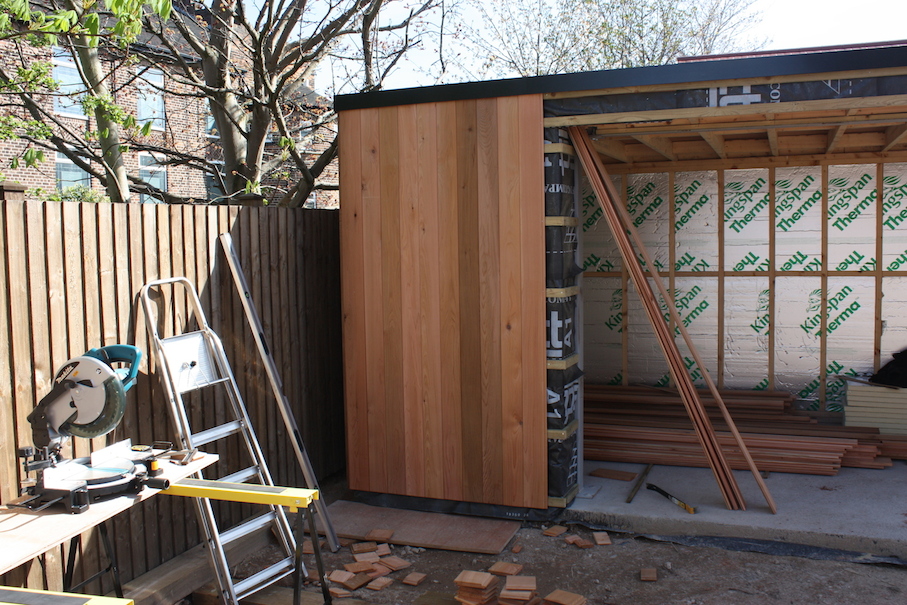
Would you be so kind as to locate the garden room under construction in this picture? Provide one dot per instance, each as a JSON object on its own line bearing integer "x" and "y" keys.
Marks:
{"x": 494, "y": 335}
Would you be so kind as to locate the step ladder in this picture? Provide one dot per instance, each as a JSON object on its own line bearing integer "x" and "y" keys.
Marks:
{"x": 195, "y": 361}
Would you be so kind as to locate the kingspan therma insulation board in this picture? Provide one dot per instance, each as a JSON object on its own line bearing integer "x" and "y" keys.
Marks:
{"x": 794, "y": 251}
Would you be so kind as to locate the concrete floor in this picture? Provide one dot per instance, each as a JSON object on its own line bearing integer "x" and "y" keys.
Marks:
{"x": 858, "y": 510}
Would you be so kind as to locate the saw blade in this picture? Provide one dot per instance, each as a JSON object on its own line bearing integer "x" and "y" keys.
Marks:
{"x": 95, "y": 402}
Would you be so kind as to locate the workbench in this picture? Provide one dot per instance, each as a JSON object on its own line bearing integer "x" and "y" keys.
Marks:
{"x": 26, "y": 534}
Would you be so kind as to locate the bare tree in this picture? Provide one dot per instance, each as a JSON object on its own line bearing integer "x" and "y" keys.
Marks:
{"x": 538, "y": 37}
{"x": 255, "y": 69}
{"x": 250, "y": 64}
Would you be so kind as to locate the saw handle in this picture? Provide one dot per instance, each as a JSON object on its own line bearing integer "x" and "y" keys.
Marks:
{"x": 128, "y": 354}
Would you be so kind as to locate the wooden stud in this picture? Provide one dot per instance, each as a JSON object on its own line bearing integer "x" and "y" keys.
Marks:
{"x": 823, "y": 339}
{"x": 772, "y": 273}
{"x": 877, "y": 272}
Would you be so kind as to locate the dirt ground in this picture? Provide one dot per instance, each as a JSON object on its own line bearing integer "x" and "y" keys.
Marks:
{"x": 610, "y": 574}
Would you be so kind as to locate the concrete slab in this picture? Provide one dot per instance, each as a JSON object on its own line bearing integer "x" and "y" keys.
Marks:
{"x": 859, "y": 509}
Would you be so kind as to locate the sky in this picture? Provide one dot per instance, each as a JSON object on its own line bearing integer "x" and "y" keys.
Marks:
{"x": 806, "y": 23}
{"x": 785, "y": 24}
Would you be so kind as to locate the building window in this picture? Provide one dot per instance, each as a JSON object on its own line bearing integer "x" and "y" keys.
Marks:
{"x": 150, "y": 98}
{"x": 70, "y": 89}
{"x": 211, "y": 128}
{"x": 213, "y": 188}
{"x": 70, "y": 175}
{"x": 152, "y": 173}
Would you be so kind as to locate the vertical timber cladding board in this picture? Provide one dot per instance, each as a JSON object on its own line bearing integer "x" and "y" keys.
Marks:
{"x": 353, "y": 152}
{"x": 443, "y": 281}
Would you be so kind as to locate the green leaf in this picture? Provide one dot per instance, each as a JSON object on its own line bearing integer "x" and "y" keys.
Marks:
{"x": 33, "y": 157}
{"x": 146, "y": 129}
{"x": 93, "y": 25}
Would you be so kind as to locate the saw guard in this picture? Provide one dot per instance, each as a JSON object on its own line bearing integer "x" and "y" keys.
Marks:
{"x": 109, "y": 417}
{"x": 89, "y": 396}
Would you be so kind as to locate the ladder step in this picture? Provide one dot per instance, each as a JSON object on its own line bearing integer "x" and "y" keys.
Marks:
{"x": 217, "y": 432}
{"x": 243, "y": 475}
{"x": 202, "y": 384}
{"x": 248, "y": 526}
{"x": 265, "y": 577}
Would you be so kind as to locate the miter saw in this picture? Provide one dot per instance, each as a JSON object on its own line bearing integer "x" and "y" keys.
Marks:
{"x": 88, "y": 400}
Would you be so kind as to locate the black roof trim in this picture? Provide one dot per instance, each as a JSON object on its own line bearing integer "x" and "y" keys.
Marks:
{"x": 681, "y": 73}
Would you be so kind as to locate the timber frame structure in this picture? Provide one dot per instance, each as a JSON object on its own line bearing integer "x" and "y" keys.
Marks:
{"x": 443, "y": 252}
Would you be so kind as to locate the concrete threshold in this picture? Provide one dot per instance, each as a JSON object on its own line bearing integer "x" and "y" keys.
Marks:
{"x": 859, "y": 510}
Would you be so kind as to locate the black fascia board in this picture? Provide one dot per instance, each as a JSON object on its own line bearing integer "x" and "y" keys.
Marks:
{"x": 681, "y": 73}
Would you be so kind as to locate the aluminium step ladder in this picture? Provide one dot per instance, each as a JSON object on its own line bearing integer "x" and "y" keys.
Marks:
{"x": 195, "y": 361}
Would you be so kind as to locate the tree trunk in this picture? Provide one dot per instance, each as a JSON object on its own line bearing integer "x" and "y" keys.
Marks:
{"x": 117, "y": 184}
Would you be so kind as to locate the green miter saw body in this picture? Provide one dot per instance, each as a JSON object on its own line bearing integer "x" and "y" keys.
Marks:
{"x": 88, "y": 398}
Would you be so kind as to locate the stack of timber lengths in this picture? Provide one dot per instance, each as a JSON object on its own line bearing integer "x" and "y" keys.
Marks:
{"x": 564, "y": 375}
{"x": 648, "y": 425}
{"x": 623, "y": 231}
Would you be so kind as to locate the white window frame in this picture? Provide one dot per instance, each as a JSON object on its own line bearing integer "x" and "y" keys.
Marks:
{"x": 148, "y": 173}
{"x": 61, "y": 159}
{"x": 221, "y": 164}
{"x": 150, "y": 85}
{"x": 63, "y": 60}
{"x": 211, "y": 128}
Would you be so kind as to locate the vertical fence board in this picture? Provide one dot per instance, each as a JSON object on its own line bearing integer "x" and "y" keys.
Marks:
{"x": 70, "y": 282}
{"x": 8, "y": 459}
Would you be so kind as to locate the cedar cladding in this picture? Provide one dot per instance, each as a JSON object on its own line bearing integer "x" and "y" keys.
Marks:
{"x": 442, "y": 254}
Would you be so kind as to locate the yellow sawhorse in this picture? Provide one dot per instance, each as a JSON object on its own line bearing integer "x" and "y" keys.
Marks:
{"x": 294, "y": 498}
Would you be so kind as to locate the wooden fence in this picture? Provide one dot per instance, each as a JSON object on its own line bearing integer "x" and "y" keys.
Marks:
{"x": 69, "y": 282}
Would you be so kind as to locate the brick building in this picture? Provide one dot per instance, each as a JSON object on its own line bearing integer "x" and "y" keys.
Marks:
{"x": 180, "y": 124}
